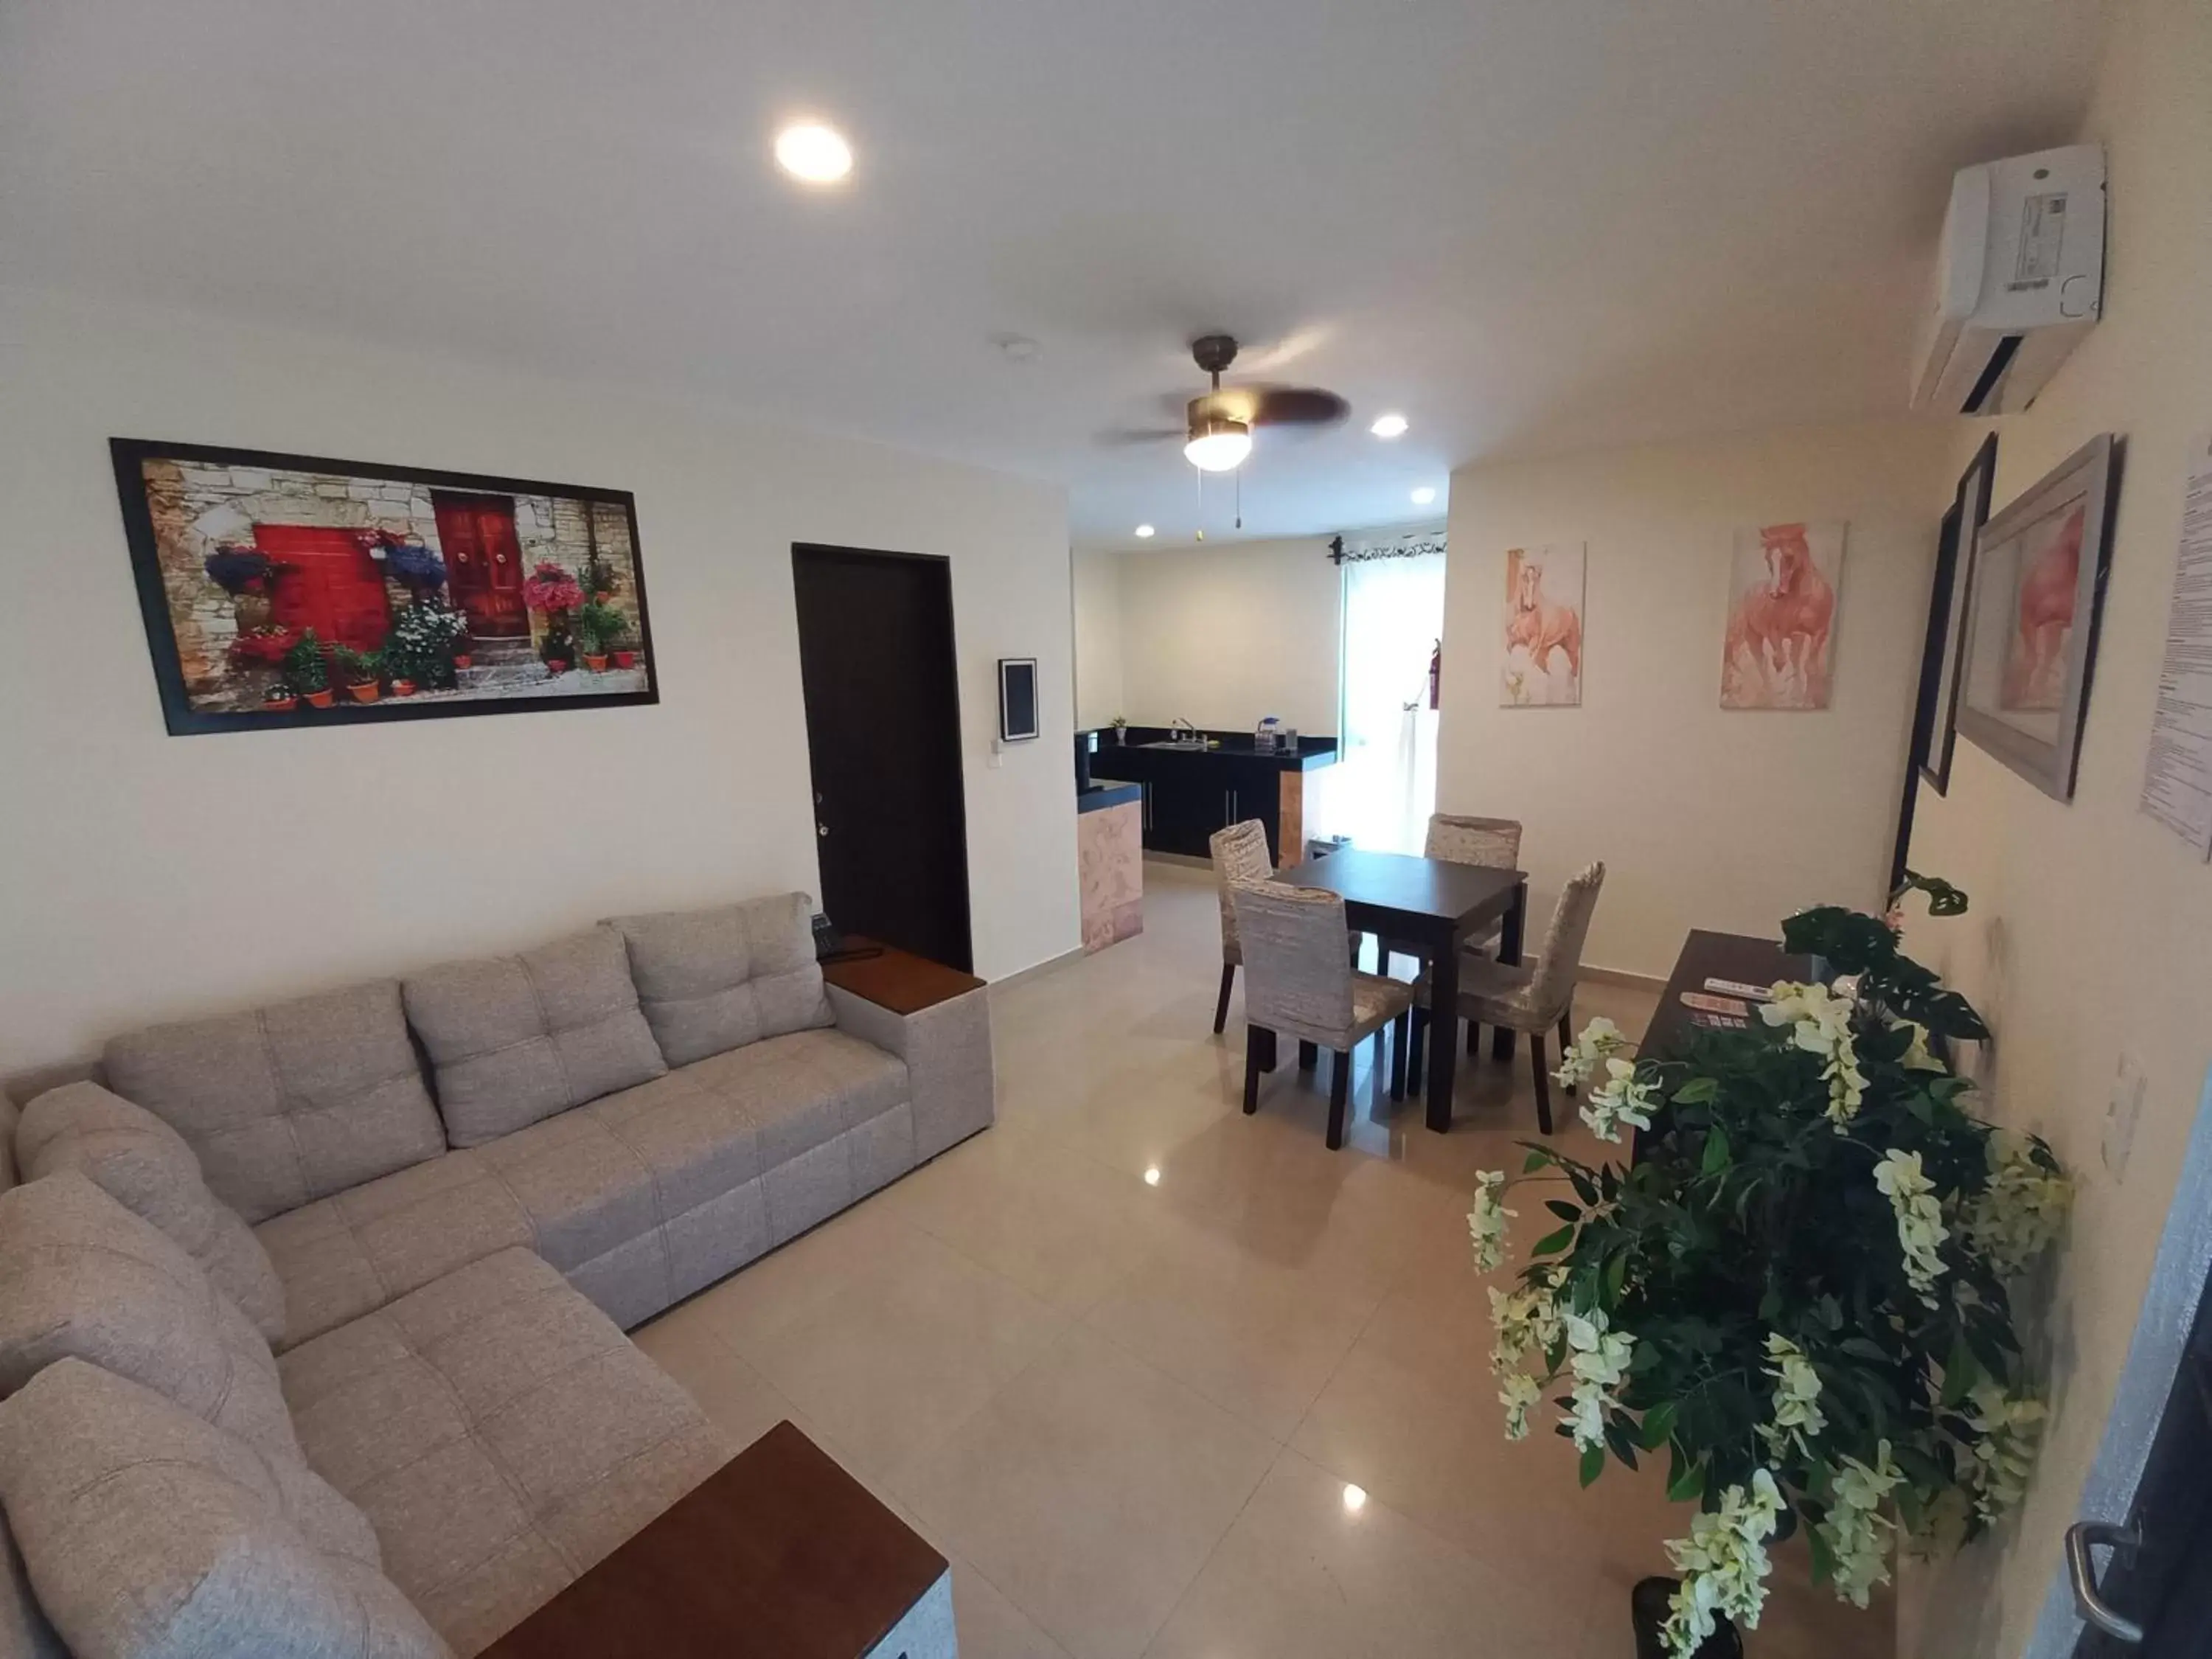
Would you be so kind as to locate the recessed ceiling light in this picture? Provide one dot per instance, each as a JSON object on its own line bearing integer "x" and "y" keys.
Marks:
{"x": 1389, "y": 426}
{"x": 1355, "y": 1498}
{"x": 1153, "y": 1177}
{"x": 1144, "y": 533}
{"x": 810, "y": 151}
{"x": 1424, "y": 495}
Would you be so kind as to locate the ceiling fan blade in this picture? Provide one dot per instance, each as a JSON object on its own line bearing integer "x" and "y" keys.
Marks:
{"x": 1295, "y": 405}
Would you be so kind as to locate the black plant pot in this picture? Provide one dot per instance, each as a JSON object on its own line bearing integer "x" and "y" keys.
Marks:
{"x": 1647, "y": 1608}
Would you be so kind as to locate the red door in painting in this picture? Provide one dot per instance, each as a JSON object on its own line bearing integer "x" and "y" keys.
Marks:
{"x": 332, "y": 586}
{"x": 483, "y": 561}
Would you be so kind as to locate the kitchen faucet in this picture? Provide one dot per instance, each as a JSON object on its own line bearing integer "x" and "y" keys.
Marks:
{"x": 1179, "y": 722}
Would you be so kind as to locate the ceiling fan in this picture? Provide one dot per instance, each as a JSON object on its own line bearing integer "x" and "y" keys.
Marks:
{"x": 1217, "y": 427}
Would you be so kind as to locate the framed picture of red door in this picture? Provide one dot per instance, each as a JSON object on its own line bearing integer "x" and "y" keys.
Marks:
{"x": 290, "y": 590}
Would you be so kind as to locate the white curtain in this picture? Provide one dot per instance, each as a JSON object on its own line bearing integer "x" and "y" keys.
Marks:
{"x": 1383, "y": 786}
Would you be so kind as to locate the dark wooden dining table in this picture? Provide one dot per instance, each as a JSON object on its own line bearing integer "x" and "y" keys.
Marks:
{"x": 1435, "y": 905}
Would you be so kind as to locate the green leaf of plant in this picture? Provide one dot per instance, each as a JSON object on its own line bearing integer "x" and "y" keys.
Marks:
{"x": 1552, "y": 1242}
{"x": 1961, "y": 1370}
{"x": 1687, "y": 1486}
{"x": 1658, "y": 1426}
{"x": 1535, "y": 1161}
{"x": 1616, "y": 1277}
{"x": 1561, "y": 1208}
{"x": 1716, "y": 1151}
{"x": 1593, "y": 1464}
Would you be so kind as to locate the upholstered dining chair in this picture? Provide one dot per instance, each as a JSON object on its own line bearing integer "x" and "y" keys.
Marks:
{"x": 1492, "y": 843}
{"x": 1299, "y": 983}
{"x": 1533, "y": 1001}
{"x": 1240, "y": 859}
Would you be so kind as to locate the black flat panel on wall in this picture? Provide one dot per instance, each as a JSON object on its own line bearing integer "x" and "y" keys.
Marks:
{"x": 879, "y": 668}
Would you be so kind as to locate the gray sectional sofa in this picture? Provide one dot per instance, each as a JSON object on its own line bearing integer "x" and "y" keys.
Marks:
{"x": 354, "y": 1270}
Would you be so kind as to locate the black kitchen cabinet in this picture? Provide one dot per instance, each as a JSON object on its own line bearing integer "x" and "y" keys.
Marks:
{"x": 1190, "y": 794}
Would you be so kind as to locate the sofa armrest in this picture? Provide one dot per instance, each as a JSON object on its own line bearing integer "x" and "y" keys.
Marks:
{"x": 947, "y": 1050}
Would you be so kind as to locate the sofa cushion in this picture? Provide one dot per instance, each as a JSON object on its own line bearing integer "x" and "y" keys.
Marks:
{"x": 717, "y": 979}
{"x": 516, "y": 1039}
{"x": 147, "y": 1167}
{"x": 287, "y": 1102}
{"x": 804, "y": 1089}
{"x": 149, "y": 1534}
{"x": 501, "y": 1434}
{"x": 82, "y": 1276}
{"x": 24, "y": 1631}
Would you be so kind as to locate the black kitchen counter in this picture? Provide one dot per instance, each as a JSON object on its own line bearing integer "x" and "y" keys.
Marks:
{"x": 1144, "y": 763}
{"x": 1100, "y": 796}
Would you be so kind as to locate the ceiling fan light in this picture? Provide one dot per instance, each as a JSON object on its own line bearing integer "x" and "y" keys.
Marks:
{"x": 1217, "y": 444}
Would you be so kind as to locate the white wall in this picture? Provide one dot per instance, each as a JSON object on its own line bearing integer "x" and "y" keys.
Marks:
{"x": 2091, "y": 933}
{"x": 1704, "y": 818}
{"x": 1222, "y": 636}
{"x": 150, "y": 877}
{"x": 1097, "y": 592}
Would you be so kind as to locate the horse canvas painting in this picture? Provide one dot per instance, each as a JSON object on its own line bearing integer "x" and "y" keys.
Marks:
{"x": 1785, "y": 591}
{"x": 1543, "y": 665}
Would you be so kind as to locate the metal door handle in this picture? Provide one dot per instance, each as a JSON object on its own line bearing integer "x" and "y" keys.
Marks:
{"x": 2089, "y": 1601}
{"x": 821, "y": 830}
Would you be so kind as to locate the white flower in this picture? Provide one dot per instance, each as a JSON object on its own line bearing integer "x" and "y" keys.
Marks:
{"x": 1519, "y": 1392}
{"x": 1723, "y": 1565}
{"x": 1920, "y": 1229}
{"x": 1599, "y": 1359}
{"x": 1600, "y": 1040}
{"x": 2016, "y": 1216}
{"x": 2008, "y": 1426}
{"x": 1486, "y": 1221}
{"x": 1619, "y": 1099}
{"x": 1526, "y": 1321}
{"x": 1821, "y": 1023}
{"x": 1856, "y": 1530}
{"x": 1917, "y": 1056}
{"x": 1797, "y": 1413}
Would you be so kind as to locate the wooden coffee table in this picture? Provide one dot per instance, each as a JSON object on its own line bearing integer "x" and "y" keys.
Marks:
{"x": 778, "y": 1554}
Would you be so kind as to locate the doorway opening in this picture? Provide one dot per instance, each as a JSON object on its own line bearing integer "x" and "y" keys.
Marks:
{"x": 1383, "y": 788}
{"x": 880, "y": 672}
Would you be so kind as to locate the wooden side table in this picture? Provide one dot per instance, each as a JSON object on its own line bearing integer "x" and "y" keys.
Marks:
{"x": 778, "y": 1554}
{"x": 894, "y": 979}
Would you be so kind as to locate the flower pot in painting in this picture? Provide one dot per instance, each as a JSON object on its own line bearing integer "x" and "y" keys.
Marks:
{"x": 403, "y": 688}
{"x": 625, "y": 658}
{"x": 253, "y": 608}
{"x": 364, "y": 692}
{"x": 321, "y": 699}
{"x": 280, "y": 705}
{"x": 596, "y": 663}
{"x": 462, "y": 659}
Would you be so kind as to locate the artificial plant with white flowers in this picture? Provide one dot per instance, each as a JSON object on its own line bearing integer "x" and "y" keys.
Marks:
{"x": 1798, "y": 1289}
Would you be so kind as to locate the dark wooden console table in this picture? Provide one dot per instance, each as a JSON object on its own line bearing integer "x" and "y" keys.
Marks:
{"x": 778, "y": 1554}
{"x": 894, "y": 979}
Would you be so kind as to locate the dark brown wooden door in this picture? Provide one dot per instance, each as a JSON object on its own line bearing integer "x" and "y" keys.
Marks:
{"x": 329, "y": 584}
{"x": 883, "y": 732}
{"x": 483, "y": 561}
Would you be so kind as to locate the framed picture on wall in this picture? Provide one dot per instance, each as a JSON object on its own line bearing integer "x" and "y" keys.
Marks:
{"x": 2033, "y": 610}
{"x": 1935, "y": 714}
{"x": 289, "y": 590}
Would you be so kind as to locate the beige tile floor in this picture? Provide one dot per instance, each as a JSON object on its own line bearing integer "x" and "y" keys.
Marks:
{"x": 1122, "y": 1356}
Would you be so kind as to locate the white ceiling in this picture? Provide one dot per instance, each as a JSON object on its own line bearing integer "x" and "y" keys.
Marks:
{"x": 1528, "y": 224}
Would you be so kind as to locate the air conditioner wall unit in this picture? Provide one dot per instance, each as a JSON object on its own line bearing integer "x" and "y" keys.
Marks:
{"x": 2020, "y": 281}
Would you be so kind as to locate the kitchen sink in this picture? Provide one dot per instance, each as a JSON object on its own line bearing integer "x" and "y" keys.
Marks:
{"x": 1190, "y": 745}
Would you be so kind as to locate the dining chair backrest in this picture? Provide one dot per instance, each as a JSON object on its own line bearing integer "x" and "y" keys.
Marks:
{"x": 1493, "y": 843}
{"x": 1240, "y": 859}
{"x": 1298, "y": 970}
{"x": 1553, "y": 987}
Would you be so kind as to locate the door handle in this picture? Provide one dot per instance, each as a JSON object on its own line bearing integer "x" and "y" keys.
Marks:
{"x": 822, "y": 830}
{"x": 2088, "y": 1600}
